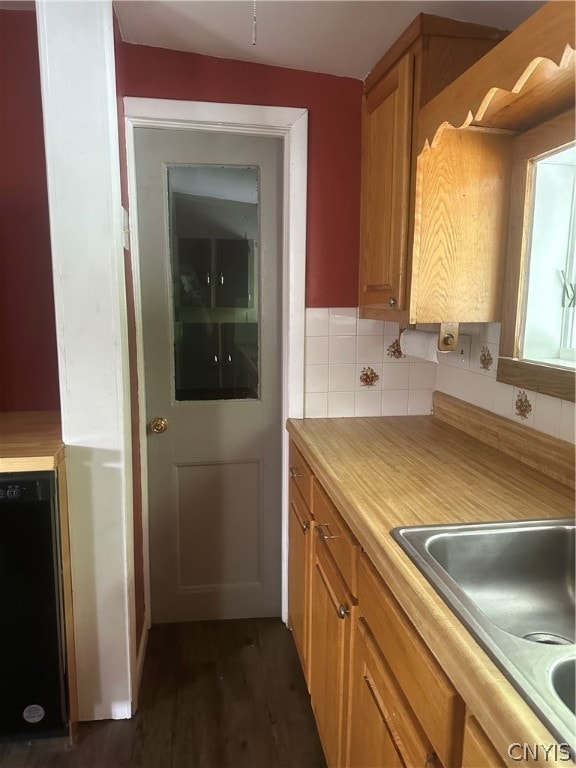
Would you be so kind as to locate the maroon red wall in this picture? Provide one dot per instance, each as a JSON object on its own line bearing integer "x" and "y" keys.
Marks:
{"x": 28, "y": 357}
{"x": 334, "y": 105}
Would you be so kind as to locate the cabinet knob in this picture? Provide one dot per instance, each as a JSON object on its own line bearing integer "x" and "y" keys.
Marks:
{"x": 343, "y": 611}
{"x": 392, "y": 302}
{"x": 304, "y": 526}
{"x": 295, "y": 473}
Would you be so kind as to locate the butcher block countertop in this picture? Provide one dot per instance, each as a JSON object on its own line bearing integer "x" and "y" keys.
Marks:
{"x": 418, "y": 470}
{"x": 30, "y": 441}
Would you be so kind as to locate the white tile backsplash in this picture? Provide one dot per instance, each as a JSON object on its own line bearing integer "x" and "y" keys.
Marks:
{"x": 395, "y": 402}
{"x": 503, "y": 400}
{"x": 368, "y": 403}
{"x": 422, "y": 375}
{"x": 341, "y": 349}
{"x": 342, "y": 378}
{"x": 370, "y": 327}
{"x": 420, "y": 402}
{"x": 388, "y": 342}
{"x": 316, "y": 378}
{"x": 339, "y": 345}
{"x": 548, "y": 414}
{"x": 369, "y": 348}
{"x": 340, "y": 404}
{"x": 316, "y": 350}
{"x": 519, "y": 415}
{"x": 377, "y": 368}
{"x": 342, "y": 322}
{"x": 316, "y": 405}
{"x": 317, "y": 321}
{"x": 395, "y": 376}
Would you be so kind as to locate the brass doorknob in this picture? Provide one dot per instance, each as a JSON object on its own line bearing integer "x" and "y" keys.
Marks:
{"x": 159, "y": 424}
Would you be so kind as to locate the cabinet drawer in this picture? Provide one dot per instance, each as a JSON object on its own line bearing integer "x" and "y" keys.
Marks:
{"x": 301, "y": 509}
{"x": 478, "y": 749}
{"x": 341, "y": 544}
{"x": 430, "y": 694}
{"x": 301, "y": 473}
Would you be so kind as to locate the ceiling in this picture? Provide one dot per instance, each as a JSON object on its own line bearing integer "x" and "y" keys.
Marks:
{"x": 338, "y": 37}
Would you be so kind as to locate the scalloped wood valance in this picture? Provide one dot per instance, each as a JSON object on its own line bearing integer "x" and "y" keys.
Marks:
{"x": 526, "y": 79}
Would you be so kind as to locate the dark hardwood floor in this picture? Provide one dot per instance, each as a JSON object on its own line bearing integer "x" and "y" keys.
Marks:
{"x": 226, "y": 694}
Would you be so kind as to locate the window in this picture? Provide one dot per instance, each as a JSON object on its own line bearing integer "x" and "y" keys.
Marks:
{"x": 538, "y": 341}
{"x": 549, "y": 325}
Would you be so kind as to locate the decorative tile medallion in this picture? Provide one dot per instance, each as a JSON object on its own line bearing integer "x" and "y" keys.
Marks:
{"x": 394, "y": 350}
{"x": 368, "y": 377}
{"x": 523, "y": 405}
{"x": 486, "y": 359}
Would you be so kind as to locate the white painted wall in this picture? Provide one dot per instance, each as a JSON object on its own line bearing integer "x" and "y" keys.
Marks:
{"x": 79, "y": 103}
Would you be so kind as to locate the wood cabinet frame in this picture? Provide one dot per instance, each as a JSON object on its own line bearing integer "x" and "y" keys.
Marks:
{"x": 535, "y": 376}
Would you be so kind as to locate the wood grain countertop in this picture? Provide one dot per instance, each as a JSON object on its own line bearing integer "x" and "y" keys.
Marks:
{"x": 418, "y": 470}
{"x": 30, "y": 441}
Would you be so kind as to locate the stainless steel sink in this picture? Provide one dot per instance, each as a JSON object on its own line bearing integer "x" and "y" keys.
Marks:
{"x": 563, "y": 682}
{"x": 513, "y": 586}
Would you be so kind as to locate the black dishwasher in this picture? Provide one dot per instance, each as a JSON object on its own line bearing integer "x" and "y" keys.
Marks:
{"x": 32, "y": 659}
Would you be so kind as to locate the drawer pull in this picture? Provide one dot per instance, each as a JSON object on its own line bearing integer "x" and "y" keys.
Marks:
{"x": 328, "y": 536}
{"x": 343, "y": 611}
{"x": 295, "y": 472}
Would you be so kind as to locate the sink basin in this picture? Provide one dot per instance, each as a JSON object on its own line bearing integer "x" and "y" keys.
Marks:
{"x": 521, "y": 578}
{"x": 564, "y": 682}
{"x": 513, "y": 586}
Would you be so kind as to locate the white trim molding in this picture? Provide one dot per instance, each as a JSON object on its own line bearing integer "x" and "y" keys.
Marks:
{"x": 292, "y": 125}
{"x": 83, "y": 170}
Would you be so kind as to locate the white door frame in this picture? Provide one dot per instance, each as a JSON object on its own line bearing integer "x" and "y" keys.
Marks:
{"x": 292, "y": 125}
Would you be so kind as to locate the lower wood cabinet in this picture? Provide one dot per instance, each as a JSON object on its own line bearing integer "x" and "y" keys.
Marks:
{"x": 383, "y": 730}
{"x": 300, "y": 529}
{"x": 478, "y": 750}
{"x": 299, "y": 574}
{"x": 331, "y": 632}
{"x": 430, "y": 695}
{"x": 379, "y": 697}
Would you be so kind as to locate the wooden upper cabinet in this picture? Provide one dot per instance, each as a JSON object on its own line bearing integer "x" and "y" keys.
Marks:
{"x": 464, "y": 173}
{"x": 429, "y": 55}
{"x": 386, "y": 145}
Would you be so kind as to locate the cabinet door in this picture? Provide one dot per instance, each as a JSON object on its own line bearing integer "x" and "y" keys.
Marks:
{"x": 299, "y": 554}
{"x": 331, "y": 618}
{"x": 194, "y": 272}
{"x": 383, "y": 728}
{"x": 386, "y": 152}
{"x": 232, "y": 273}
{"x": 198, "y": 361}
{"x": 477, "y": 748}
{"x": 370, "y": 743}
{"x": 330, "y": 632}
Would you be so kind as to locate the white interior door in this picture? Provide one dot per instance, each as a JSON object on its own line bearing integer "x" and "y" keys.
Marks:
{"x": 209, "y": 228}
